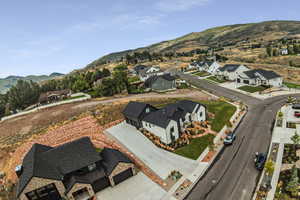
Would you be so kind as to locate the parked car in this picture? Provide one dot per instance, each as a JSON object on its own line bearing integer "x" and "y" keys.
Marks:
{"x": 229, "y": 138}
{"x": 260, "y": 160}
{"x": 296, "y": 106}
{"x": 297, "y": 114}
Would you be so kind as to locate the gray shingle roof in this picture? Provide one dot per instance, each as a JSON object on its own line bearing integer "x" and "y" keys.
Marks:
{"x": 162, "y": 117}
{"x": 265, "y": 73}
{"x": 134, "y": 109}
{"x": 229, "y": 68}
{"x": 53, "y": 163}
{"x": 111, "y": 158}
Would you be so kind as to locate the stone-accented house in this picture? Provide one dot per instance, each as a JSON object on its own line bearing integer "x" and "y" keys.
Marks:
{"x": 54, "y": 96}
{"x": 163, "y": 82}
{"x": 147, "y": 72}
{"x": 258, "y": 77}
{"x": 168, "y": 122}
{"x": 73, "y": 170}
{"x": 231, "y": 71}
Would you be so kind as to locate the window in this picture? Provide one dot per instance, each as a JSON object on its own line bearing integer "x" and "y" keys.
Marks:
{"x": 147, "y": 110}
{"x": 200, "y": 114}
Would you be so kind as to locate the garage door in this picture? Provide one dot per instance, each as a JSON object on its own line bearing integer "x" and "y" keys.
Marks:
{"x": 48, "y": 192}
{"x": 123, "y": 176}
{"x": 100, "y": 184}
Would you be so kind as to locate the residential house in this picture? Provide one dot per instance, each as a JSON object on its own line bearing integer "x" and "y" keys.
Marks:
{"x": 53, "y": 96}
{"x": 258, "y": 77}
{"x": 71, "y": 171}
{"x": 139, "y": 68}
{"x": 148, "y": 72}
{"x": 230, "y": 71}
{"x": 163, "y": 82}
{"x": 209, "y": 66}
{"x": 284, "y": 51}
{"x": 168, "y": 122}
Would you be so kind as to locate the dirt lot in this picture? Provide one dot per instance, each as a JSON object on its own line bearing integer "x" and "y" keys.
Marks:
{"x": 63, "y": 123}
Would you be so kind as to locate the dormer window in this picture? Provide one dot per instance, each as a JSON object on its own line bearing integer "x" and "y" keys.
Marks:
{"x": 92, "y": 167}
{"x": 147, "y": 110}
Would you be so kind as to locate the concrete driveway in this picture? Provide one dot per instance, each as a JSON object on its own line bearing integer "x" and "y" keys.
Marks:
{"x": 138, "y": 187}
{"x": 160, "y": 161}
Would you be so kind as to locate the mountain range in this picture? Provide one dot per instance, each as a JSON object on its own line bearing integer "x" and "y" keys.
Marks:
{"x": 8, "y": 82}
{"x": 219, "y": 37}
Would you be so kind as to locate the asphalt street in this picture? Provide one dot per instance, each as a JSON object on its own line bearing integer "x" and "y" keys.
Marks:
{"x": 233, "y": 176}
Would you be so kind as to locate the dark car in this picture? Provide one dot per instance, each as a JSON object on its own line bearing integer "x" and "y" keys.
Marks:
{"x": 229, "y": 138}
{"x": 260, "y": 160}
{"x": 296, "y": 106}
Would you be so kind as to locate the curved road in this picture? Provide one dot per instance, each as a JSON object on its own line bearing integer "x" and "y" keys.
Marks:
{"x": 233, "y": 176}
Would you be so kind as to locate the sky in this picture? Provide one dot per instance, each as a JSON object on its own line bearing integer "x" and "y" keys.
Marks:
{"x": 45, "y": 36}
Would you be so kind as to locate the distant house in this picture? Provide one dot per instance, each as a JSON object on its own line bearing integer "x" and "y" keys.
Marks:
{"x": 258, "y": 77}
{"x": 148, "y": 72}
{"x": 139, "y": 68}
{"x": 161, "y": 82}
{"x": 71, "y": 171}
{"x": 53, "y": 96}
{"x": 169, "y": 122}
{"x": 230, "y": 71}
{"x": 208, "y": 66}
{"x": 284, "y": 51}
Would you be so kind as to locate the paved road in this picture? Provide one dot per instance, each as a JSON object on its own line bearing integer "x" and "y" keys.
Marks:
{"x": 233, "y": 176}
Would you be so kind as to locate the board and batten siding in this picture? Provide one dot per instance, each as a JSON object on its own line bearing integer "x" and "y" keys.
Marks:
{"x": 161, "y": 85}
{"x": 163, "y": 133}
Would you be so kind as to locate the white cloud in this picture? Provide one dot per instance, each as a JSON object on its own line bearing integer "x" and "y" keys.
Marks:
{"x": 179, "y": 5}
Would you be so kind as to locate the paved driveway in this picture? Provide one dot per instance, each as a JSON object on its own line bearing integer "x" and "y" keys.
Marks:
{"x": 138, "y": 187}
{"x": 160, "y": 161}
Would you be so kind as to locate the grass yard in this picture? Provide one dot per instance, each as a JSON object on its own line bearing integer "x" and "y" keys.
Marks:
{"x": 215, "y": 79}
{"x": 292, "y": 85}
{"x": 223, "y": 111}
{"x": 133, "y": 79}
{"x": 202, "y": 74}
{"x": 252, "y": 89}
{"x": 196, "y": 147}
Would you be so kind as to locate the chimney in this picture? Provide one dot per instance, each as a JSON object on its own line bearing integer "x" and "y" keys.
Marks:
{"x": 19, "y": 170}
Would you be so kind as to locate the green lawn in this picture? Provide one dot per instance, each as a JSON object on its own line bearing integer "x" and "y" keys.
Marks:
{"x": 202, "y": 74}
{"x": 133, "y": 79}
{"x": 215, "y": 79}
{"x": 222, "y": 110}
{"x": 196, "y": 147}
{"x": 252, "y": 89}
{"x": 292, "y": 85}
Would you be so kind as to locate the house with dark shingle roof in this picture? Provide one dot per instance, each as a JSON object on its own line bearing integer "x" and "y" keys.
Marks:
{"x": 160, "y": 83}
{"x": 208, "y": 66}
{"x": 258, "y": 77}
{"x": 72, "y": 170}
{"x": 148, "y": 72}
{"x": 168, "y": 122}
{"x": 230, "y": 71}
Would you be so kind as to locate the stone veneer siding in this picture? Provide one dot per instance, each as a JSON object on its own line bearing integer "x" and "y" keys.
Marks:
{"x": 36, "y": 183}
{"x": 120, "y": 168}
{"x": 79, "y": 186}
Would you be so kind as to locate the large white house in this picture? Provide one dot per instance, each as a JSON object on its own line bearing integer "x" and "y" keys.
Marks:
{"x": 208, "y": 66}
{"x": 231, "y": 71}
{"x": 167, "y": 123}
{"x": 258, "y": 77}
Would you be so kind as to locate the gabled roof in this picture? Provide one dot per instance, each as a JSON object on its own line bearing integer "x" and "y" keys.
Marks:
{"x": 111, "y": 158}
{"x": 265, "y": 73}
{"x": 139, "y": 67}
{"x": 54, "y": 163}
{"x": 152, "y": 79}
{"x": 162, "y": 117}
{"x": 229, "y": 67}
{"x": 134, "y": 109}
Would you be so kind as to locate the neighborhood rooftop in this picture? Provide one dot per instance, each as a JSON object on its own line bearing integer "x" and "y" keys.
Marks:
{"x": 229, "y": 67}
{"x": 265, "y": 73}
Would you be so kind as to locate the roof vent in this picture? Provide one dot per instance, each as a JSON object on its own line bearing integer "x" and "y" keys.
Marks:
{"x": 19, "y": 170}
